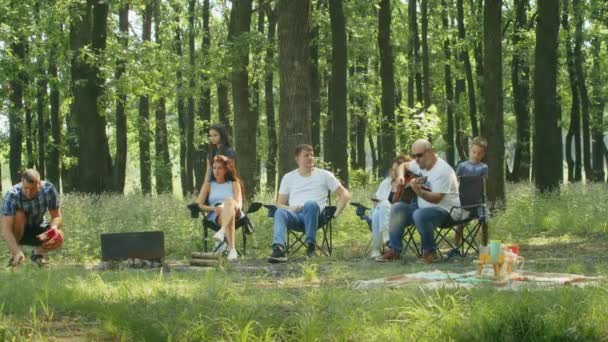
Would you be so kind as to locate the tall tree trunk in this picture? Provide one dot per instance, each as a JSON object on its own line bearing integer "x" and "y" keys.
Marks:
{"x": 223, "y": 86}
{"x": 466, "y": 62}
{"x": 162, "y": 162}
{"x": 547, "y": 131}
{"x": 315, "y": 85}
{"x": 387, "y": 77}
{"x": 493, "y": 100}
{"x": 353, "y": 120}
{"x": 256, "y": 102}
{"x": 449, "y": 87}
{"x": 29, "y": 130}
{"x": 245, "y": 121}
{"x": 372, "y": 149}
{"x": 94, "y": 161}
{"x": 579, "y": 61}
{"x": 361, "y": 105}
{"x": 476, "y": 13}
{"x": 271, "y": 159}
{"x": 223, "y": 104}
{"x": 120, "y": 163}
{"x": 574, "y": 130}
{"x": 205, "y": 104}
{"x": 426, "y": 72}
{"x": 520, "y": 80}
{"x": 294, "y": 71}
{"x": 461, "y": 137}
{"x": 181, "y": 108}
{"x": 328, "y": 127}
{"x": 54, "y": 162}
{"x": 41, "y": 116}
{"x": 16, "y": 86}
{"x": 597, "y": 108}
{"x": 145, "y": 169}
{"x": 415, "y": 46}
{"x": 190, "y": 154}
{"x": 337, "y": 103}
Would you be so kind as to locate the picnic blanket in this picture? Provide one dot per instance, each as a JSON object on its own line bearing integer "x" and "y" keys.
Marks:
{"x": 442, "y": 279}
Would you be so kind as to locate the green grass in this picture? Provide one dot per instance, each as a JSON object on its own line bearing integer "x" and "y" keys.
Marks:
{"x": 307, "y": 300}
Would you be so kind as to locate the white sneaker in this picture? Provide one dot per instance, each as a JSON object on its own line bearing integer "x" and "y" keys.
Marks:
{"x": 375, "y": 254}
{"x": 232, "y": 255}
{"x": 219, "y": 235}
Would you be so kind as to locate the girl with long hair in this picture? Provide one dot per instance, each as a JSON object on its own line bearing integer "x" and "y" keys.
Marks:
{"x": 222, "y": 198}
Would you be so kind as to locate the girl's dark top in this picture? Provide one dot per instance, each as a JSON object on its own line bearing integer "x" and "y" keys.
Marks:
{"x": 224, "y": 151}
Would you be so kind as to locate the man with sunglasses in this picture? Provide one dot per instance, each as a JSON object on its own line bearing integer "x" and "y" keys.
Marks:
{"x": 432, "y": 207}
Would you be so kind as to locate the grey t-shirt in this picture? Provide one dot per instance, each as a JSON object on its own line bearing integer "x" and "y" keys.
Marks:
{"x": 466, "y": 168}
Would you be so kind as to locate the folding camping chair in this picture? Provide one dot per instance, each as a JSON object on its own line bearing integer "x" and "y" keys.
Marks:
{"x": 296, "y": 235}
{"x": 360, "y": 211}
{"x": 243, "y": 222}
{"x": 409, "y": 242}
{"x": 471, "y": 191}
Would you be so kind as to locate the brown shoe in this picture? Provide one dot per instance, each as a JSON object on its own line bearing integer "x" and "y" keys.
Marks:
{"x": 430, "y": 257}
{"x": 388, "y": 256}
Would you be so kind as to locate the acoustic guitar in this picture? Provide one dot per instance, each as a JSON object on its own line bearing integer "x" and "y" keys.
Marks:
{"x": 405, "y": 193}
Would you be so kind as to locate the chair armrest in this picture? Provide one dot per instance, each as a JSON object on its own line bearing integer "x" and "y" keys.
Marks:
{"x": 255, "y": 206}
{"x": 194, "y": 210}
{"x": 271, "y": 209}
{"x": 360, "y": 209}
{"x": 329, "y": 212}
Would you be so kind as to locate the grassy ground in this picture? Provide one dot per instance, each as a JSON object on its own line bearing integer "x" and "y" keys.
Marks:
{"x": 307, "y": 300}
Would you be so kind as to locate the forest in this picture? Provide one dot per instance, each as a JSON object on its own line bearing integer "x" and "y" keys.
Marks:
{"x": 93, "y": 89}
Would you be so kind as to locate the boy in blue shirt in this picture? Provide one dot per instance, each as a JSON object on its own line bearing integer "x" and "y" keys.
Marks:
{"x": 471, "y": 167}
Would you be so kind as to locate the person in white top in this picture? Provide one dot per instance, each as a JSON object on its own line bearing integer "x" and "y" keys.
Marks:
{"x": 302, "y": 196}
{"x": 434, "y": 201}
{"x": 382, "y": 201}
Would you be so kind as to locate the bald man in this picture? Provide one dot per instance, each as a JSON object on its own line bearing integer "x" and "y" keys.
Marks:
{"x": 432, "y": 207}
{"x": 23, "y": 210}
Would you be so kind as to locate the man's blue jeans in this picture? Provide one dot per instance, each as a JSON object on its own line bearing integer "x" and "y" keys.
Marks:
{"x": 285, "y": 219}
{"x": 424, "y": 219}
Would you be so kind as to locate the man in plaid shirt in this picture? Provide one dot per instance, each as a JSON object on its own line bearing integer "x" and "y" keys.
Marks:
{"x": 23, "y": 210}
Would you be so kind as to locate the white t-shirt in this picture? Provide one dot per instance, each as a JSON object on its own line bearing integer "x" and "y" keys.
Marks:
{"x": 312, "y": 188}
{"x": 440, "y": 179}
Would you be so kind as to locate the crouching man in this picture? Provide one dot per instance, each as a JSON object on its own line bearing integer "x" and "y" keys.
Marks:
{"x": 23, "y": 223}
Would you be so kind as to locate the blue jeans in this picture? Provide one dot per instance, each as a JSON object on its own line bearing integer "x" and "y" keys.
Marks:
{"x": 424, "y": 219}
{"x": 307, "y": 219}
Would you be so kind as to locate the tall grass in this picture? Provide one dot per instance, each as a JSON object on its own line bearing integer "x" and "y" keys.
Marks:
{"x": 319, "y": 303}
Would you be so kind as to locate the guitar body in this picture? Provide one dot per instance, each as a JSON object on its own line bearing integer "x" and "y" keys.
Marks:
{"x": 405, "y": 193}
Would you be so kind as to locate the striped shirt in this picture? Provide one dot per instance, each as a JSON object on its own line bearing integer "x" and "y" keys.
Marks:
{"x": 35, "y": 208}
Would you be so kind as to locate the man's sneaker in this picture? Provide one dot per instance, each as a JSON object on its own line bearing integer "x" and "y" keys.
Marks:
{"x": 430, "y": 257}
{"x": 232, "y": 255}
{"x": 388, "y": 256}
{"x": 454, "y": 252}
{"x": 39, "y": 259}
{"x": 278, "y": 254}
{"x": 310, "y": 250}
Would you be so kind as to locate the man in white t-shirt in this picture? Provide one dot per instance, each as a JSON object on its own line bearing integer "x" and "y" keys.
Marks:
{"x": 435, "y": 198}
{"x": 302, "y": 196}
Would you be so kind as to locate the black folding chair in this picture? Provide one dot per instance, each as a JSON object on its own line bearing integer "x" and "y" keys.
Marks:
{"x": 471, "y": 191}
{"x": 296, "y": 235}
{"x": 243, "y": 222}
{"x": 360, "y": 211}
